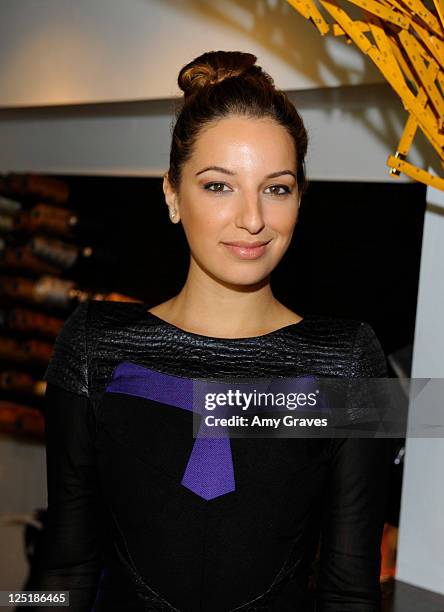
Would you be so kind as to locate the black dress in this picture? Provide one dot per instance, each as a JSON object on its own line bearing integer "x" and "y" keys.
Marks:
{"x": 127, "y": 532}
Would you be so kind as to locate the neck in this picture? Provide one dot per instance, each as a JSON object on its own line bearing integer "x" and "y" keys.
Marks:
{"x": 213, "y": 307}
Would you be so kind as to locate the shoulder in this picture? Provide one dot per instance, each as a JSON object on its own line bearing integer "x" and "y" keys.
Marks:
{"x": 352, "y": 344}
{"x": 68, "y": 367}
{"x": 69, "y": 364}
{"x": 368, "y": 357}
{"x": 340, "y": 333}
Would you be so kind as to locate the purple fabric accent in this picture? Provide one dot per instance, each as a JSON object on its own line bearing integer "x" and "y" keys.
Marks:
{"x": 209, "y": 472}
{"x": 134, "y": 379}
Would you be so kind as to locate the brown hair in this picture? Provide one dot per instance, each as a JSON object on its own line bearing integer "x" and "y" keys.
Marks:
{"x": 221, "y": 83}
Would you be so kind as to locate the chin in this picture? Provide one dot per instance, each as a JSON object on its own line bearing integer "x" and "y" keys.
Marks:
{"x": 244, "y": 278}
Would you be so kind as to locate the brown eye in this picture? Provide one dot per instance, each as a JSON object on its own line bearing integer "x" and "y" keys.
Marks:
{"x": 284, "y": 190}
{"x": 217, "y": 186}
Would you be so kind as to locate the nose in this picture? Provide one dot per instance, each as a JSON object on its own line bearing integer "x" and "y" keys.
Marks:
{"x": 250, "y": 214}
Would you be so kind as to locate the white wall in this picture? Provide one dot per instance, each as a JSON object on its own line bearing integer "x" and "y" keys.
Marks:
{"x": 63, "y": 53}
{"x": 66, "y": 51}
{"x": 352, "y": 130}
{"x": 421, "y": 535}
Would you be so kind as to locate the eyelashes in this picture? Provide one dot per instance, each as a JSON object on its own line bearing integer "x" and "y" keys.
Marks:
{"x": 286, "y": 190}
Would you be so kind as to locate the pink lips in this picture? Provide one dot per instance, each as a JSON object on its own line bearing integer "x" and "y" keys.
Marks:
{"x": 246, "y": 250}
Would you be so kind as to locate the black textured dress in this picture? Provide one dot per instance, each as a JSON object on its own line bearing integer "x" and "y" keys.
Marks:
{"x": 125, "y": 533}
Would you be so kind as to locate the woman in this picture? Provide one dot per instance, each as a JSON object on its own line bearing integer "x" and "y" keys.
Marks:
{"x": 132, "y": 525}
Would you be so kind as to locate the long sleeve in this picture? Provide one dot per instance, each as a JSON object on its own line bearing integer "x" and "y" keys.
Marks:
{"x": 69, "y": 556}
{"x": 355, "y": 504}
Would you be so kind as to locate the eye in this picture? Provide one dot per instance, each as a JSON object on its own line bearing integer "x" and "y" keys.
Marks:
{"x": 217, "y": 186}
{"x": 285, "y": 188}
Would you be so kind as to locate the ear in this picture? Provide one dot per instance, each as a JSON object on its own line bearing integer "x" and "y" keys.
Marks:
{"x": 171, "y": 198}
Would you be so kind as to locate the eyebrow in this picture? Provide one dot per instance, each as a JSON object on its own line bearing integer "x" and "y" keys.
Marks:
{"x": 225, "y": 171}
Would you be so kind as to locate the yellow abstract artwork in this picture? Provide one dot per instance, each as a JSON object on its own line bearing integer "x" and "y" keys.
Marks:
{"x": 405, "y": 40}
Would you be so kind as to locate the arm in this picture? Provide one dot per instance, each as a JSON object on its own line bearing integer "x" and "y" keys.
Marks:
{"x": 69, "y": 555}
{"x": 355, "y": 503}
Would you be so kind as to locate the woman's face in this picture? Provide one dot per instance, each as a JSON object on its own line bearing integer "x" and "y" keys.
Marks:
{"x": 238, "y": 186}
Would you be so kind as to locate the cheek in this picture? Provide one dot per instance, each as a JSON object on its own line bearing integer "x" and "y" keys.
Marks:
{"x": 202, "y": 228}
{"x": 282, "y": 219}
{"x": 203, "y": 221}
{"x": 200, "y": 234}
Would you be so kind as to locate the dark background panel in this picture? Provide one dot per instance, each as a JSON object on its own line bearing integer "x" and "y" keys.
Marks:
{"x": 355, "y": 251}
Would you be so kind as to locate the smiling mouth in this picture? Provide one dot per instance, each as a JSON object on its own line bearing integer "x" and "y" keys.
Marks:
{"x": 245, "y": 250}
{"x": 245, "y": 243}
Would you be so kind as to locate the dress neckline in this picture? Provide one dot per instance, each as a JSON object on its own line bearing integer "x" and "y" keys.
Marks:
{"x": 275, "y": 332}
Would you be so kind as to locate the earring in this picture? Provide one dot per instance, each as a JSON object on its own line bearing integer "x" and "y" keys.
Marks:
{"x": 172, "y": 213}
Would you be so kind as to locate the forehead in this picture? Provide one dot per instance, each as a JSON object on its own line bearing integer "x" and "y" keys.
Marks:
{"x": 244, "y": 141}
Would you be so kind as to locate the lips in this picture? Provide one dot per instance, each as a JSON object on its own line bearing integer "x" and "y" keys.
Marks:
{"x": 246, "y": 250}
{"x": 243, "y": 243}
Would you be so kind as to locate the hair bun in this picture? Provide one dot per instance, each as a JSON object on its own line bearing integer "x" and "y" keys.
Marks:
{"x": 213, "y": 67}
